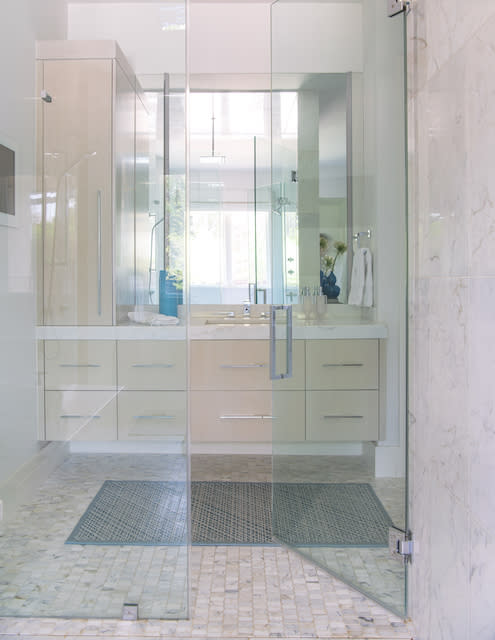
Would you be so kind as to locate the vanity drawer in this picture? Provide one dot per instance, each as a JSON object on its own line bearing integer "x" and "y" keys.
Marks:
{"x": 246, "y": 416}
{"x": 81, "y": 415}
{"x": 151, "y": 365}
{"x": 242, "y": 364}
{"x": 342, "y": 416}
{"x": 230, "y": 364}
{"x": 152, "y": 415}
{"x": 80, "y": 364}
{"x": 342, "y": 364}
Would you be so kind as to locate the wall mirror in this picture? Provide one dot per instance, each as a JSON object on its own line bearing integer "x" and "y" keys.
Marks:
{"x": 240, "y": 194}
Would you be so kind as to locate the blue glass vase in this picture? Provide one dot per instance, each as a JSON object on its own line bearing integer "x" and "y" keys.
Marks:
{"x": 329, "y": 285}
{"x": 170, "y": 294}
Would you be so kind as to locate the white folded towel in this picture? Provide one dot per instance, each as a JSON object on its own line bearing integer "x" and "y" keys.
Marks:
{"x": 155, "y": 319}
{"x": 361, "y": 293}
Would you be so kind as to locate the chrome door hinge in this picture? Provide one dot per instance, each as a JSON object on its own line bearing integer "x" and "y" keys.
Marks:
{"x": 400, "y": 544}
{"x": 398, "y": 6}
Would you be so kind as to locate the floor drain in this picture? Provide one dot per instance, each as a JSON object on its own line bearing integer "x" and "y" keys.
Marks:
{"x": 129, "y": 611}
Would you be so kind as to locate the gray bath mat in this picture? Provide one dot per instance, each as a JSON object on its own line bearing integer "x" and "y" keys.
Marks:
{"x": 229, "y": 513}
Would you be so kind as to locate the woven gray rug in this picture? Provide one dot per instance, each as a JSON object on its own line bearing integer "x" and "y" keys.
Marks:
{"x": 233, "y": 513}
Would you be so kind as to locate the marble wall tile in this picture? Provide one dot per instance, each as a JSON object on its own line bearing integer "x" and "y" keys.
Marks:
{"x": 451, "y": 234}
{"x": 482, "y": 582}
{"x": 482, "y": 400}
{"x": 441, "y": 28}
{"x": 478, "y": 56}
{"x": 446, "y": 384}
{"x": 441, "y": 159}
{"x": 449, "y": 578}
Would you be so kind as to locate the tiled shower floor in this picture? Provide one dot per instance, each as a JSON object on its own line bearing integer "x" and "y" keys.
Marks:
{"x": 236, "y": 592}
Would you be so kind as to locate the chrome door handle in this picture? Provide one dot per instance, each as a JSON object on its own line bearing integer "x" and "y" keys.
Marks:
{"x": 273, "y": 353}
{"x": 98, "y": 244}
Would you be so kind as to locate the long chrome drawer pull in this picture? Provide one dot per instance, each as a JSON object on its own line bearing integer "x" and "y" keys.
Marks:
{"x": 90, "y": 366}
{"x": 242, "y": 366}
{"x": 338, "y": 417}
{"x": 344, "y": 364}
{"x": 78, "y": 416}
{"x": 244, "y": 417}
{"x": 154, "y": 417}
{"x": 161, "y": 436}
{"x": 153, "y": 366}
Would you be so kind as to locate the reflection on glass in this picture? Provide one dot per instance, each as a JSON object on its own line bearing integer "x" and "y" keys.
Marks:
{"x": 339, "y": 478}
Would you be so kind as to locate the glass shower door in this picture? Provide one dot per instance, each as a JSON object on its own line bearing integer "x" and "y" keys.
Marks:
{"x": 338, "y": 377}
{"x": 96, "y": 524}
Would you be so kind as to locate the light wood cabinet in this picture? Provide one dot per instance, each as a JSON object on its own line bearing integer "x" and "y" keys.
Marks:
{"x": 342, "y": 416}
{"x": 86, "y": 171}
{"x": 81, "y": 415}
{"x": 151, "y": 415}
{"x": 77, "y": 184}
{"x": 136, "y": 390}
{"x": 342, "y": 401}
{"x": 230, "y": 365}
{"x": 80, "y": 364}
{"x": 332, "y": 396}
{"x": 342, "y": 364}
{"x": 231, "y": 396}
{"x": 240, "y": 365}
{"x": 152, "y": 365}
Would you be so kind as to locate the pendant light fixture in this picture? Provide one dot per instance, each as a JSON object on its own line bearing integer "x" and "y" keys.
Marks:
{"x": 212, "y": 159}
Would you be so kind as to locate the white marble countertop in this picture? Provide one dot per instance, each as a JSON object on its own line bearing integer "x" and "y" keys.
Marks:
{"x": 201, "y": 331}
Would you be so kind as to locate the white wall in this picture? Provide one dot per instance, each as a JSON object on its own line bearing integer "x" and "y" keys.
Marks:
{"x": 21, "y": 23}
{"x": 317, "y": 37}
{"x": 383, "y": 211}
{"x": 452, "y": 282}
{"x": 138, "y": 28}
{"x": 227, "y": 38}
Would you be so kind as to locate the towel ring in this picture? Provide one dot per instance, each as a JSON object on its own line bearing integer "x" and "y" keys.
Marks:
{"x": 360, "y": 234}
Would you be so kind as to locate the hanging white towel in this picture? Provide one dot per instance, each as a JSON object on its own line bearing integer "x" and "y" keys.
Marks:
{"x": 368, "y": 280}
{"x": 361, "y": 293}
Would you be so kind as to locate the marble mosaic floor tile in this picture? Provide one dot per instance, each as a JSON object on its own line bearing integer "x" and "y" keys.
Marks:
{"x": 236, "y": 592}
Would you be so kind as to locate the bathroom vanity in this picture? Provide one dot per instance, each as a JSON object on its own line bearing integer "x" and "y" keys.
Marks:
{"x": 128, "y": 383}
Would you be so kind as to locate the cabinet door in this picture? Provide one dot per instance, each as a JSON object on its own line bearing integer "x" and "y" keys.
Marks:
{"x": 152, "y": 365}
{"x": 342, "y": 416}
{"x": 152, "y": 415}
{"x": 342, "y": 364}
{"x": 124, "y": 170}
{"x": 81, "y": 415}
{"x": 77, "y": 185}
{"x": 80, "y": 364}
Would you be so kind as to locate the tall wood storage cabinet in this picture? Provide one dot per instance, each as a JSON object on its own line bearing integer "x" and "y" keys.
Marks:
{"x": 86, "y": 173}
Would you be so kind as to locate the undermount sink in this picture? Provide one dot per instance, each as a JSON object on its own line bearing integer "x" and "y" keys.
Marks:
{"x": 228, "y": 320}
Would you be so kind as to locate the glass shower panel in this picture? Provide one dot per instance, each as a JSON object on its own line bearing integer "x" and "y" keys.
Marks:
{"x": 106, "y": 532}
{"x": 339, "y": 422}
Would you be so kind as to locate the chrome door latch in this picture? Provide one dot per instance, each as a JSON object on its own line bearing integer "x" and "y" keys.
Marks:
{"x": 398, "y": 6}
{"x": 400, "y": 544}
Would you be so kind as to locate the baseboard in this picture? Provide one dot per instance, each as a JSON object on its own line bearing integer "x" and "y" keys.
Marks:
{"x": 20, "y": 487}
{"x": 126, "y": 446}
{"x": 289, "y": 449}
